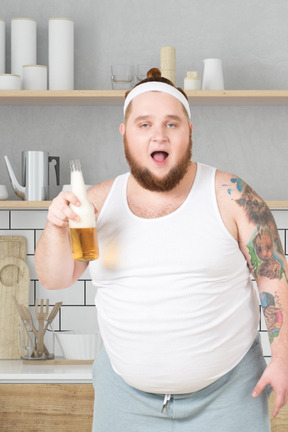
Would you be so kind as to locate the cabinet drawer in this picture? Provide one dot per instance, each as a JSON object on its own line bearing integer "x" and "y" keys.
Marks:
{"x": 46, "y": 407}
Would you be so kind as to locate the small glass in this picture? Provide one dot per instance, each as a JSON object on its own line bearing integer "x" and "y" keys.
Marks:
{"x": 122, "y": 77}
{"x": 29, "y": 345}
{"x": 141, "y": 71}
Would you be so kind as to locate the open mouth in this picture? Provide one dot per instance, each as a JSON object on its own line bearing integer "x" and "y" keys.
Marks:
{"x": 159, "y": 156}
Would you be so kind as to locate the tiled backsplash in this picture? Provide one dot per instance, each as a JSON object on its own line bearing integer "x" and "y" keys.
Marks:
{"x": 78, "y": 311}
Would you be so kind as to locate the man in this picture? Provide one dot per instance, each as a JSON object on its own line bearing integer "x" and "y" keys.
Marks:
{"x": 176, "y": 307}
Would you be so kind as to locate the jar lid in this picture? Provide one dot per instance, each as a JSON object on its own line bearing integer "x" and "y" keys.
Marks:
{"x": 34, "y": 65}
{"x": 192, "y": 75}
{"x": 65, "y": 19}
{"x": 26, "y": 19}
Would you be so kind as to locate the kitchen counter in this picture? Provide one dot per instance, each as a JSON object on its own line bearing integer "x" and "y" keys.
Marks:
{"x": 19, "y": 372}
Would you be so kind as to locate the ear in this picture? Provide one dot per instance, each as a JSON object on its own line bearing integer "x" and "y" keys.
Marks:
{"x": 122, "y": 129}
{"x": 191, "y": 127}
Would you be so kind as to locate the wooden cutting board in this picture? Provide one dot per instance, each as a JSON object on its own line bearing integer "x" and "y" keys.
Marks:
{"x": 14, "y": 281}
{"x": 12, "y": 246}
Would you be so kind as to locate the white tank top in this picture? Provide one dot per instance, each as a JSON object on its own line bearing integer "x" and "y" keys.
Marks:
{"x": 176, "y": 305}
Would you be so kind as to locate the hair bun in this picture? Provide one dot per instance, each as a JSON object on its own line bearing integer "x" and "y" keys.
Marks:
{"x": 154, "y": 73}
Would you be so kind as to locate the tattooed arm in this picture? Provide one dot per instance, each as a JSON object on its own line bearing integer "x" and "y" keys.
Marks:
{"x": 257, "y": 235}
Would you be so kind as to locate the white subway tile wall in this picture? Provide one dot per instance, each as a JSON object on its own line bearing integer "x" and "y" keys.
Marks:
{"x": 78, "y": 311}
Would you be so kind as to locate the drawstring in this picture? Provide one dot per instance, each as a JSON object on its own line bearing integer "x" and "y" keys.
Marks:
{"x": 165, "y": 402}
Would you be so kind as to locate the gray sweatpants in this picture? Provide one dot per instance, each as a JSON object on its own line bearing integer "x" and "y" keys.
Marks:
{"x": 224, "y": 406}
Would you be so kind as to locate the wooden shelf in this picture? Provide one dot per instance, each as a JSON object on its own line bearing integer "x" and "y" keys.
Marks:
{"x": 12, "y": 205}
{"x": 24, "y": 204}
{"x": 61, "y": 97}
{"x": 277, "y": 204}
{"x": 116, "y": 97}
{"x": 238, "y": 97}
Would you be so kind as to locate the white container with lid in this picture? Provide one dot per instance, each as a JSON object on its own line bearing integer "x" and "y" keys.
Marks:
{"x": 191, "y": 81}
{"x": 10, "y": 82}
{"x": 2, "y": 46}
{"x": 23, "y": 43}
{"x": 61, "y": 54}
{"x": 34, "y": 77}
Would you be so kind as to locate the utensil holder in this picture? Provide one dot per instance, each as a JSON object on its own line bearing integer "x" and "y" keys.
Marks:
{"x": 28, "y": 344}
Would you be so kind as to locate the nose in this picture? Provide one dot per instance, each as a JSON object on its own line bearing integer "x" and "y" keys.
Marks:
{"x": 159, "y": 134}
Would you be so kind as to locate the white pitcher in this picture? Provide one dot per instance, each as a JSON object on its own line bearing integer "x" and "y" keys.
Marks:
{"x": 213, "y": 75}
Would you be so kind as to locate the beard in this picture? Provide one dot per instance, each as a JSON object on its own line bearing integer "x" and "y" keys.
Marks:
{"x": 152, "y": 182}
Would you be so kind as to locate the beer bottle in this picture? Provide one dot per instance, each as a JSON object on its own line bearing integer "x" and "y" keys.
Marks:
{"x": 83, "y": 232}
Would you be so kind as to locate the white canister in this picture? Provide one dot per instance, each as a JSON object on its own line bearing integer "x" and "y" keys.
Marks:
{"x": 191, "y": 81}
{"x": 10, "y": 82}
{"x": 61, "y": 54}
{"x": 213, "y": 75}
{"x": 23, "y": 43}
{"x": 34, "y": 77}
{"x": 3, "y": 193}
{"x": 2, "y": 46}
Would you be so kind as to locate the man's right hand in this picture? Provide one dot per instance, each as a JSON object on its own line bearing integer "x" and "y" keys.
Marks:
{"x": 60, "y": 211}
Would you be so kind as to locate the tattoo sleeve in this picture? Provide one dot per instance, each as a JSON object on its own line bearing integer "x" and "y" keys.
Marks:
{"x": 265, "y": 249}
{"x": 272, "y": 313}
{"x": 267, "y": 258}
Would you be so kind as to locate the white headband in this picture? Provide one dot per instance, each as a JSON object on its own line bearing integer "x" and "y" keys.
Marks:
{"x": 157, "y": 86}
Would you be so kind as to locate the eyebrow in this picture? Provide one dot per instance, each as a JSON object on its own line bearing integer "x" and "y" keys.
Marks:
{"x": 140, "y": 118}
{"x": 167, "y": 117}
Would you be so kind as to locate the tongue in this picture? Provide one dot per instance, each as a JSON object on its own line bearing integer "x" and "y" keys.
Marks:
{"x": 159, "y": 156}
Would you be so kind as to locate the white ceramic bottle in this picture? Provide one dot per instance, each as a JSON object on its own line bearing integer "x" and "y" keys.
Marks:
{"x": 83, "y": 232}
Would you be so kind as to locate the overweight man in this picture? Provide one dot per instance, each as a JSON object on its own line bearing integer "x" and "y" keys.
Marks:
{"x": 178, "y": 314}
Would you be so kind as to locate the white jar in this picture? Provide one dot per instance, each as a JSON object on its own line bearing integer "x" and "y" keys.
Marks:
{"x": 2, "y": 46}
{"x": 191, "y": 81}
{"x": 61, "y": 54}
{"x": 10, "y": 82}
{"x": 23, "y": 43}
{"x": 34, "y": 77}
{"x": 213, "y": 75}
{"x": 3, "y": 193}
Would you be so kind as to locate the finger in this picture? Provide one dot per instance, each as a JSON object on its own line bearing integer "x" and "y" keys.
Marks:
{"x": 70, "y": 197}
{"x": 61, "y": 221}
{"x": 280, "y": 401}
{"x": 260, "y": 386}
{"x": 65, "y": 199}
{"x": 60, "y": 210}
{"x": 65, "y": 213}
